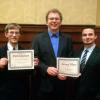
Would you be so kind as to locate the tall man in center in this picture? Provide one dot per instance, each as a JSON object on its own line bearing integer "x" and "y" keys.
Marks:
{"x": 48, "y": 46}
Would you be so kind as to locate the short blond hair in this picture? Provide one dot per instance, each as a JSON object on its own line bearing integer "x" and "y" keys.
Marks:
{"x": 54, "y": 11}
{"x": 12, "y": 26}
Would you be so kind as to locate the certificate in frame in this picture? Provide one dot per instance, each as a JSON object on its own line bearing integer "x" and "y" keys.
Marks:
{"x": 69, "y": 66}
{"x": 20, "y": 59}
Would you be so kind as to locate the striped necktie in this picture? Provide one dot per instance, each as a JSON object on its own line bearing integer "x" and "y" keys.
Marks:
{"x": 83, "y": 60}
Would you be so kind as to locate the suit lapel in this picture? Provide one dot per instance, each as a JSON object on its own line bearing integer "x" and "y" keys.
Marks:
{"x": 91, "y": 59}
{"x": 49, "y": 44}
{"x": 80, "y": 52}
{"x": 4, "y": 49}
{"x": 60, "y": 46}
{"x": 20, "y": 48}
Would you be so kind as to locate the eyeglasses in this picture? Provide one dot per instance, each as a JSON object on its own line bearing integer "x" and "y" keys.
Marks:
{"x": 12, "y": 33}
{"x": 54, "y": 18}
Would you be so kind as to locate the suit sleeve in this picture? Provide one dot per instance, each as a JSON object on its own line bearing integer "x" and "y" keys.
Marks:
{"x": 42, "y": 66}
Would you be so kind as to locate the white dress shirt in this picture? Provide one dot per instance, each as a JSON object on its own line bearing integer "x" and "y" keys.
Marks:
{"x": 10, "y": 47}
{"x": 88, "y": 53}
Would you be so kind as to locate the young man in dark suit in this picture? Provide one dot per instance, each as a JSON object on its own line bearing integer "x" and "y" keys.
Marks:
{"x": 88, "y": 84}
{"x": 48, "y": 46}
{"x": 14, "y": 85}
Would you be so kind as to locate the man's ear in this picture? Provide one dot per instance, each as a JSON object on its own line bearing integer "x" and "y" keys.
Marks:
{"x": 96, "y": 37}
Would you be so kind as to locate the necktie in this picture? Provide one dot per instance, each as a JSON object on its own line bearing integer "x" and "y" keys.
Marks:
{"x": 54, "y": 35}
{"x": 83, "y": 60}
{"x": 14, "y": 48}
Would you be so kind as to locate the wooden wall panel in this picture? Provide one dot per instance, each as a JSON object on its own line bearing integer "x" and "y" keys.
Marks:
{"x": 29, "y": 31}
{"x": 98, "y": 33}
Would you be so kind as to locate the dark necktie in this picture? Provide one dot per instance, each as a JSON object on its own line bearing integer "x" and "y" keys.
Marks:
{"x": 13, "y": 48}
{"x": 54, "y": 35}
{"x": 82, "y": 65}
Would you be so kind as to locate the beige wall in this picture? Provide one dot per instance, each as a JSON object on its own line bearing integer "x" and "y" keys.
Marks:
{"x": 80, "y": 12}
{"x": 98, "y": 13}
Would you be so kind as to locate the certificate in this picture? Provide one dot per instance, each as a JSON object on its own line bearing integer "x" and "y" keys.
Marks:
{"x": 69, "y": 66}
{"x": 20, "y": 59}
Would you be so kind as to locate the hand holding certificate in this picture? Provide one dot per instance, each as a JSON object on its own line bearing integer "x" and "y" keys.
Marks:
{"x": 69, "y": 66}
{"x": 20, "y": 59}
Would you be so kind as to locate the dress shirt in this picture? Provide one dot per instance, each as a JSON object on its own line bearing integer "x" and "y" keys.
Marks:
{"x": 54, "y": 41}
{"x": 10, "y": 47}
{"x": 88, "y": 53}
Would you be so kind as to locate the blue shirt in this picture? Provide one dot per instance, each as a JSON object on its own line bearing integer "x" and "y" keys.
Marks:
{"x": 54, "y": 41}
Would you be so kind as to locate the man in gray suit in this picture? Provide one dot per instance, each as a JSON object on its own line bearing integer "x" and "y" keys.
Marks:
{"x": 48, "y": 46}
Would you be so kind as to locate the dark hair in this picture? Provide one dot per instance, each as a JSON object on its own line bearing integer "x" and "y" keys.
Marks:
{"x": 93, "y": 28}
{"x": 12, "y": 26}
{"x": 54, "y": 11}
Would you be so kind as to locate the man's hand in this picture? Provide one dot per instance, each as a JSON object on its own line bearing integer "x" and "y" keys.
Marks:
{"x": 36, "y": 62}
{"x": 62, "y": 77}
{"x": 3, "y": 62}
{"x": 52, "y": 71}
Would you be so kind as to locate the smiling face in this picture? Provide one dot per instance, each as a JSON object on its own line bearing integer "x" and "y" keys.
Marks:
{"x": 88, "y": 36}
{"x": 53, "y": 22}
{"x": 13, "y": 35}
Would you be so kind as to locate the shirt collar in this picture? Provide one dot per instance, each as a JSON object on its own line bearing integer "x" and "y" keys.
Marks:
{"x": 90, "y": 49}
{"x": 10, "y": 47}
{"x": 51, "y": 34}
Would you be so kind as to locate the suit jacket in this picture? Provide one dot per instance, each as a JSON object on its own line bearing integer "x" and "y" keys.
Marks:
{"x": 13, "y": 84}
{"x": 89, "y": 81}
{"x": 44, "y": 51}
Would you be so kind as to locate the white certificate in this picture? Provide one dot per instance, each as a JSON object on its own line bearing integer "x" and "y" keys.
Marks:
{"x": 69, "y": 66}
{"x": 20, "y": 59}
